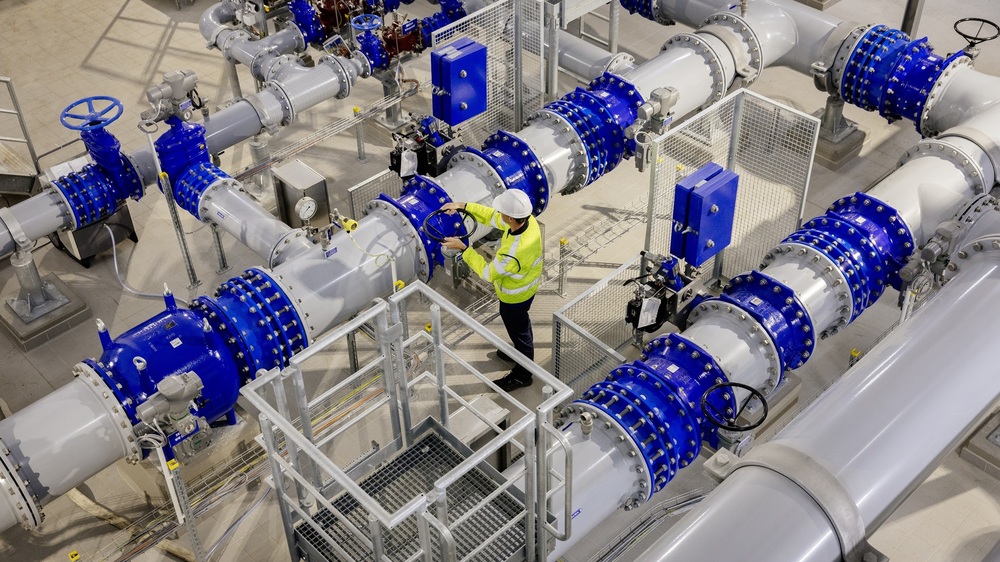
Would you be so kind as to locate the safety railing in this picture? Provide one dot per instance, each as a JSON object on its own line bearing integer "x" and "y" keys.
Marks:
{"x": 426, "y": 487}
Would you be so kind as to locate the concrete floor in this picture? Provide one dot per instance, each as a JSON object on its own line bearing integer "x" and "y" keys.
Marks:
{"x": 58, "y": 53}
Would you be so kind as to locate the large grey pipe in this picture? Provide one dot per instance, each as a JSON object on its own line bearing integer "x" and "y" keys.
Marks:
{"x": 880, "y": 431}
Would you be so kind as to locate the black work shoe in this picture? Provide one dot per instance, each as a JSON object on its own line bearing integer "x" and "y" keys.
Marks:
{"x": 504, "y": 357}
{"x": 513, "y": 381}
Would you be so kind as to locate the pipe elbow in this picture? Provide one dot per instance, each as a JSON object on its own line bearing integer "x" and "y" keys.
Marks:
{"x": 215, "y": 19}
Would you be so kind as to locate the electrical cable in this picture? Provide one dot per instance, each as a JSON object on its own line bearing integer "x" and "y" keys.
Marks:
{"x": 232, "y": 528}
{"x": 114, "y": 255}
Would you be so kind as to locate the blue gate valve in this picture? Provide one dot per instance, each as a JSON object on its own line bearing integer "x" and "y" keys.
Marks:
{"x": 101, "y": 112}
{"x": 370, "y": 44}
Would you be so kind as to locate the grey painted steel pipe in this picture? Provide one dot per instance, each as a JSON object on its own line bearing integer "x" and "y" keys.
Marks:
{"x": 65, "y": 438}
{"x": 881, "y": 430}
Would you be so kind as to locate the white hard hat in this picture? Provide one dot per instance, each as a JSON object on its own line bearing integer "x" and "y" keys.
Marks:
{"x": 514, "y": 203}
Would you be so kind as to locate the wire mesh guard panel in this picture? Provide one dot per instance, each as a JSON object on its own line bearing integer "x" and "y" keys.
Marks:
{"x": 359, "y": 195}
{"x": 770, "y": 146}
{"x": 589, "y": 332}
{"x": 493, "y": 27}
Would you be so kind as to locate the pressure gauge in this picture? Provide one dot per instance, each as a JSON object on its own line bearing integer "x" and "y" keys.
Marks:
{"x": 305, "y": 208}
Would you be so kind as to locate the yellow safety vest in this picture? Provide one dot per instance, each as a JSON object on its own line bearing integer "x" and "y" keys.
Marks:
{"x": 516, "y": 271}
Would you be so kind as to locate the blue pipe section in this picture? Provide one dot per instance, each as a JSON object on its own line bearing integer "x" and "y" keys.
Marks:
{"x": 868, "y": 240}
{"x": 306, "y": 18}
{"x": 657, "y": 401}
{"x": 184, "y": 157}
{"x": 99, "y": 189}
{"x": 451, "y": 11}
{"x": 420, "y": 197}
{"x": 250, "y": 325}
{"x": 779, "y": 311}
{"x": 517, "y": 166}
{"x": 600, "y": 115}
{"x": 892, "y": 74}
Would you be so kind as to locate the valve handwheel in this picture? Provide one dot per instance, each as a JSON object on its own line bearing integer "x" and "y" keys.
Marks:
{"x": 728, "y": 419}
{"x": 88, "y": 114}
{"x": 985, "y": 30}
{"x": 366, "y": 22}
{"x": 434, "y": 229}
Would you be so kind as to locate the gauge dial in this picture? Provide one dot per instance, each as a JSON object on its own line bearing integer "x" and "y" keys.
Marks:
{"x": 306, "y": 208}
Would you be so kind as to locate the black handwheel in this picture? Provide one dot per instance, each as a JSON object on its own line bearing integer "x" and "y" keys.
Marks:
{"x": 985, "y": 30}
{"x": 727, "y": 420}
{"x": 435, "y": 229}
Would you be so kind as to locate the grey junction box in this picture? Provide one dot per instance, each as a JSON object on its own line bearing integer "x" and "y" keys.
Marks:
{"x": 292, "y": 182}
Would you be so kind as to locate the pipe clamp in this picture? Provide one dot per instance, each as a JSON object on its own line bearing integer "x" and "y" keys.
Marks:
{"x": 822, "y": 486}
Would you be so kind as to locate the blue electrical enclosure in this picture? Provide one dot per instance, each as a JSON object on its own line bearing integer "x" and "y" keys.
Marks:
{"x": 704, "y": 209}
{"x": 458, "y": 72}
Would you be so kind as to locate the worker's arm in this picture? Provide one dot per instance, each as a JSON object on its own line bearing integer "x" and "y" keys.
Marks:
{"x": 503, "y": 265}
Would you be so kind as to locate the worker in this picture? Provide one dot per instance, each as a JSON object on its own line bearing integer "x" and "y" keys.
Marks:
{"x": 516, "y": 271}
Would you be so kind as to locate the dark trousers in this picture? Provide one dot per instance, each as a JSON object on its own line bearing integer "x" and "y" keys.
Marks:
{"x": 518, "y": 323}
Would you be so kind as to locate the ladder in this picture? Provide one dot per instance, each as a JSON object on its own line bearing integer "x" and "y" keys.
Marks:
{"x": 17, "y": 175}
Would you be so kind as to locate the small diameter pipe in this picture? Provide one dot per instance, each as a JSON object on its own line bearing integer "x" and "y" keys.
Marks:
{"x": 862, "y": 430}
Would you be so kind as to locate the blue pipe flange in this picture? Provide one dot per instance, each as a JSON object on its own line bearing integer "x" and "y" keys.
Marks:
{"x": 192, "y": 184}
{"x": 89, "y": 195}
{"x": 612, "y": 136}
{"x": 824, "y": 267}
{"x": 421, "y": 196}
{"x": 779, "y": 310}
{"x": 853, "y": 255}
{"x": 888, "y": 72}
{"x": 430, "y": 24}
{"x": 255, "y": 310}
{"x": 518, "y": 166}
{"x": 656, "y": 400}
{"x": 307, "y": 20}
{"x": 690, "y": 371}
{"x": 623, "y": 100}
{"x": 453, "y": 9}
{"x": 649, "y": 9}
{"x": 885, "y": 229}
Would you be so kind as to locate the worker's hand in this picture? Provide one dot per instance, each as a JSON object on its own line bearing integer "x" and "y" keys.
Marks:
{"x": 450, "y": 208}
{"x": 453, "y": 243}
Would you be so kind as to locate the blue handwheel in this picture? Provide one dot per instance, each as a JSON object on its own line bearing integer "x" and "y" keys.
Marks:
{"x": 366, "y": 22}
{"x": 95, "y": 112}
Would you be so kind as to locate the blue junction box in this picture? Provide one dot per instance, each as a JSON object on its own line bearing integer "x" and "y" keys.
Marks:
{"x": 704, "y": 210}
{"x": 458, "y": 72}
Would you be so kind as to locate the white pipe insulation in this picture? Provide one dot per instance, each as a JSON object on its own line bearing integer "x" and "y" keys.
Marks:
{"x": 863, "y": 431}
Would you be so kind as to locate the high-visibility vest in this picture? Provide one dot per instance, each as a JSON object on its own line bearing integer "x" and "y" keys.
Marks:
{"x": 516, "y": 271}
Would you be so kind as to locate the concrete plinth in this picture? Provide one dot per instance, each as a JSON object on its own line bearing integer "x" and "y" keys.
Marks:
{"x": 981, "y": 450}
{"x": 27, "y": 336}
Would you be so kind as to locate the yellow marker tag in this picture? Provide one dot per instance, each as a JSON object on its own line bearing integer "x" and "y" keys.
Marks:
{"x": 74, "y": 556}
{"x": 163, "y": 176}
{"x": 399, "y": 284}
{"x": 855, "y": 352}
{"x": 563, "y": 241}
{"x": 428, "y": 328}
{"x": 172, "y": 464}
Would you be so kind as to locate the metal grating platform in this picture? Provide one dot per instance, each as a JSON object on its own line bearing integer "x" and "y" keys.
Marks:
{"x": 399, "y": 480}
